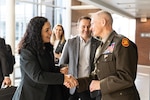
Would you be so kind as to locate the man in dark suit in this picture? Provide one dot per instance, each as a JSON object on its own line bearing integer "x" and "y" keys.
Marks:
{"x": 116, "y": 65}
{"x": 78, "y": 54}
{"x": 4, "y": 67}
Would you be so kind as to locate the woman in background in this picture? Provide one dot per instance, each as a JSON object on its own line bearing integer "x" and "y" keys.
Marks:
{"x": 58, "y": 41}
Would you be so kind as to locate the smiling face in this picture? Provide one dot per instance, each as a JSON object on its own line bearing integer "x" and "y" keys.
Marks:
{"x": 84, "y": 28}
{"x": 46, "y": 32}
{"x": 58, "y": 32}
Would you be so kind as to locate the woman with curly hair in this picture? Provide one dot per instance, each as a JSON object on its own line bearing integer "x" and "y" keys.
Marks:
{"x": 40, "y": 79}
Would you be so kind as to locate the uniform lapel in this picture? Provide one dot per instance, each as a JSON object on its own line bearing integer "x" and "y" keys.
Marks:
{"x": 94, "y": 45}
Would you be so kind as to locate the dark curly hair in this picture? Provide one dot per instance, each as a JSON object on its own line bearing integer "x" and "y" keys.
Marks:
{"x": 32, "y": 36}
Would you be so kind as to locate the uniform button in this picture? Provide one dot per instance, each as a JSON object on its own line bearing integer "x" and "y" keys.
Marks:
{"x": 120, "y": 93}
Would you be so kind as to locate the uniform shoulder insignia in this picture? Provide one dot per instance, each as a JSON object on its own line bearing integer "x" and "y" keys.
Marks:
{"x": 125, "y": 42}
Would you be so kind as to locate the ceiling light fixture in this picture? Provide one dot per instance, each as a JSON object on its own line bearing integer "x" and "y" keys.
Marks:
{"x": 143, "y": 19}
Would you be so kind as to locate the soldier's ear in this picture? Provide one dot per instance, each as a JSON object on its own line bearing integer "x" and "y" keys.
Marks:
{"x": 103, "y": 22}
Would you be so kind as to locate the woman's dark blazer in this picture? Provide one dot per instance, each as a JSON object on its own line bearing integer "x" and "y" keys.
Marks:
{"x": 60, "y": 47}
{"x": 59, "y": 50}
{"x": 39, "y": 77}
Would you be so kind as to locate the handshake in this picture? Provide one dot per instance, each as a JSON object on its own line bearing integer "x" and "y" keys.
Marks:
{"x": 81, "y": 84}
{"x": 69, "y": 80}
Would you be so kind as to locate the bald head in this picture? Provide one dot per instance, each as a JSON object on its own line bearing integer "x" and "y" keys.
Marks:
{"x": 101, "y": 23}
{"x": 104, "y": 15}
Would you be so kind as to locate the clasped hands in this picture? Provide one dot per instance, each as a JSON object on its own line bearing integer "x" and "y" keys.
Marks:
{"x": 69, "y": 80}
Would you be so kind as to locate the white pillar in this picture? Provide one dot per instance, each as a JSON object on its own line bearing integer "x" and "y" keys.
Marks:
{"x": 10, "y": 23}
{"x": 10, "y": 27}
{"x": 67, "y": 21}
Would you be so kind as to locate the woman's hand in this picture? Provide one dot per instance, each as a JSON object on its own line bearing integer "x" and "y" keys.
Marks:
{"x": 70, "y": 81}
{"x": 64, "y": 70}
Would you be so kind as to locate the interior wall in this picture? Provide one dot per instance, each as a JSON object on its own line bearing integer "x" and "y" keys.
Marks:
{"x": 143, "y": 41}
{"x": 78, "y": 13}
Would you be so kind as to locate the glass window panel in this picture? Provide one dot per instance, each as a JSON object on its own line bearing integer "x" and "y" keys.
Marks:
{"x": 24, "y": 12}
{"x": 27, "y": 9}
{"x": 2, "y": 18}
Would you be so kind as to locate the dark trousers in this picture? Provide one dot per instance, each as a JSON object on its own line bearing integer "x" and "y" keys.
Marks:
{"x": 57, "y": 92}
{"x": 83, "y": 96}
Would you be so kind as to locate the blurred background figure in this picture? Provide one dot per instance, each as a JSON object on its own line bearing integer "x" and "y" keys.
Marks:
{"x": 58, "y": 40}
{"x": 4, "y": 66}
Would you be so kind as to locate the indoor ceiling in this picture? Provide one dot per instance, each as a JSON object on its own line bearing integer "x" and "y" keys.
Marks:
{"x": 127, "y": 8}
